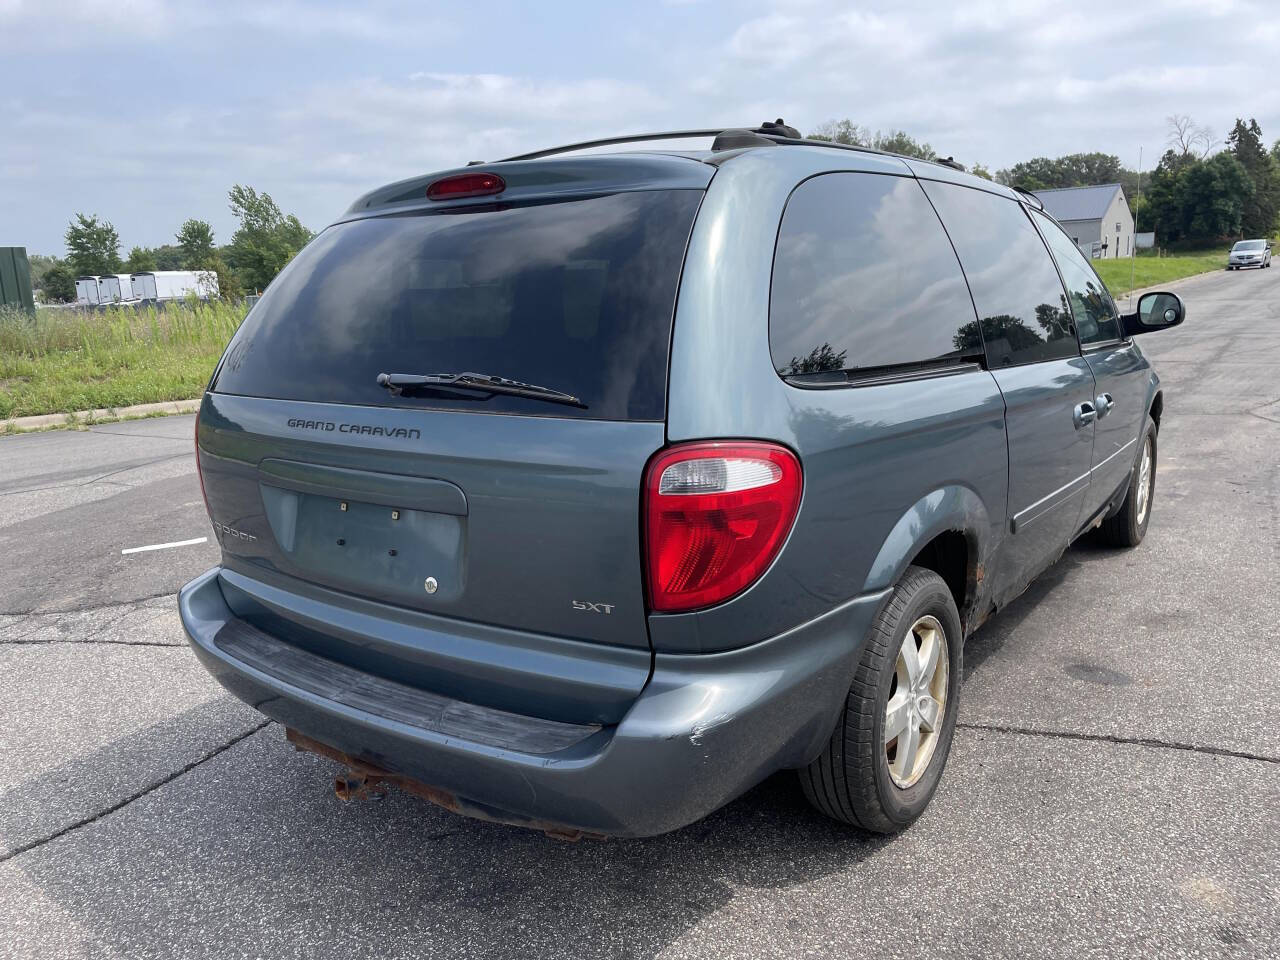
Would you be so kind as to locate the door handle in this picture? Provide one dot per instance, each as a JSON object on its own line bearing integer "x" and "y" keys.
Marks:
{"x": 1105, "y": 403}
{"x": 1083, "y": 413}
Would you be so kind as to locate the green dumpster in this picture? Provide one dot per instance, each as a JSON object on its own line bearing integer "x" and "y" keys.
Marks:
{"x": 15, "y": 279}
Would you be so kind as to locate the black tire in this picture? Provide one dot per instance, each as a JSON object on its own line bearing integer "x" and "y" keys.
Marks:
{"x": 851, "y": 780}
{"x": 1128, "y": 525}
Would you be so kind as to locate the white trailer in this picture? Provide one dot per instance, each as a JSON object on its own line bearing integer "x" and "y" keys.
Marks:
{"x": 207, "y": 284}
{"x": 87, "y": 290}
{"x": 126, "y": 286}
{"x": 175, "y": 284}
{"x": 115, "y": 288}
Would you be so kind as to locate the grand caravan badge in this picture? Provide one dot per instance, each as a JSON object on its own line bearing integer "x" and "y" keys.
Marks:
{"x": 362, "y": 429}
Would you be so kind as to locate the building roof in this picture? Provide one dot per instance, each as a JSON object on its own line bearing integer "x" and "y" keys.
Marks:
{"x": 1079, "y": 203}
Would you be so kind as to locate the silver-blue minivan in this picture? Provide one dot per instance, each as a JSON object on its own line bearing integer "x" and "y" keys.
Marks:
{"x": 584, "y": 491}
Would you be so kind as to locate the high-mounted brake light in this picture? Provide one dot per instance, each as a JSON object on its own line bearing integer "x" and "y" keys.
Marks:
{"x": 466, "y": 185}
{"x": 716, "y": 515}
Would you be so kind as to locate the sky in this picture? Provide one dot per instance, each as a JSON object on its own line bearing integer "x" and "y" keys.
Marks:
{"x": 146, "y": 112}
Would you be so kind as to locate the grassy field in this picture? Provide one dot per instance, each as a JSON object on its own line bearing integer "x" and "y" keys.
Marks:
{"x": 62, "y": 361}
{"x": 1149, "y": 270}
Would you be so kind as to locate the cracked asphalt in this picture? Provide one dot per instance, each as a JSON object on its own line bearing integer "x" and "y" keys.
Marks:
{"x": 1114, "y": 789}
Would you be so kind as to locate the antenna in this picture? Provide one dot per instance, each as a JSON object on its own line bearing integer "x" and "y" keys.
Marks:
{"x": 1133, "y": 251}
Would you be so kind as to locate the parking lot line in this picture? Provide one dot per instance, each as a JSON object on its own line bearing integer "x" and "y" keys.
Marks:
{"x": 165, "y": 546}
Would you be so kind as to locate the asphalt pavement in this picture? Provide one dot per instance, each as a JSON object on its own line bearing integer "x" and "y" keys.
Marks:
{"x": 1114, "y": 789}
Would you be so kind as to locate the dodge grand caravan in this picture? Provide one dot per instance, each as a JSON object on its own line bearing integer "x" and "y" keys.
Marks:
{"x": 585, "y": 491}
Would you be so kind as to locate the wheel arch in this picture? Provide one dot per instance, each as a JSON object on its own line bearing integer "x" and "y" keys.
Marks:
{"x": 948, "y": 531}
{"x": 1156, "y": 407}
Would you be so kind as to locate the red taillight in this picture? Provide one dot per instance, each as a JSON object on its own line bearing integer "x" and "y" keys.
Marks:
{"x": 466, "y": 185}
{"x": 715, "y": 516}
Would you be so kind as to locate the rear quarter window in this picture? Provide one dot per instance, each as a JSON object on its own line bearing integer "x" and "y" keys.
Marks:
{"x": 865, "y": 282}
{"x": 575, "y": 295}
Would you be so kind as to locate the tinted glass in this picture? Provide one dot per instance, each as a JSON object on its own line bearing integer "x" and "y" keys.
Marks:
{"x": 1097, "y": 319}
{"x": 1250, "y": 245}
{"x": 577, "y": 296}
{"x": 864, "y": 278}
{"x": 1024, "y": 312}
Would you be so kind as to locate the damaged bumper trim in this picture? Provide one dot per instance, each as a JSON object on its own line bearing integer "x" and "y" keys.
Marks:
{"x": 703, "y": 730}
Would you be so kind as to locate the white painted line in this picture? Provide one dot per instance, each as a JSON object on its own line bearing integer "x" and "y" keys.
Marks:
{"x": 166, "y": 546}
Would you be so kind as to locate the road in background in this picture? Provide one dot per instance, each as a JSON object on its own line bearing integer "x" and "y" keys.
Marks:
{"x": 1113, "y": 789}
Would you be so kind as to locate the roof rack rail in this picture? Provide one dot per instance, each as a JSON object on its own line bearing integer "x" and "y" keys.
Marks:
{"x": 1031, "y": 197}
{"x": 726, "y": 138}
{"x": 610, "y": 141}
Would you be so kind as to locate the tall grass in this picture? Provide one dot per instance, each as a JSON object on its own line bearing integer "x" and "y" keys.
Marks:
{"x": 1148, "y": 269}
{"x": 64, "y": 360}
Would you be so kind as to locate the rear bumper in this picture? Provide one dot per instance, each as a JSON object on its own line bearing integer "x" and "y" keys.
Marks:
{"x": 704, "y": 729}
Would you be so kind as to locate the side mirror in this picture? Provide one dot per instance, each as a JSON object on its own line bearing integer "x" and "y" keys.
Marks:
{"x": 1156, "y": 311}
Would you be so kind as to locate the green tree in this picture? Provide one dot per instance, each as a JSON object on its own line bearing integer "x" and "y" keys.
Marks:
{"x": 140, "y": 260}
{"x": 1130, "y": 181}
{"x": 1164, "y": 198}
{"x": 168, "y": 256}
{"x": 842, "y": 131}
{"x": 228, "y": 285}
{"x": 1215, "y": 194}
{"x": 1143, "y": 220}
{"x": 266, "y": 240}
{"x": 1072, "y": 170}
{"x": 93, "y": 246}
{"x": 195, "y": 239}
{"x": 895, "y": 141}
{"x": 980, "y": 170}
{"x": 900, "y": 142}
{"x": 58, "y": 284}
{"x": 1198, "y": 200}
{"x": 1260, "y": 209}
{"x": 40, "y": 265}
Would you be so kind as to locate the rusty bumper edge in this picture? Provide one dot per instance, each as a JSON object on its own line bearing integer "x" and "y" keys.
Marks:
{"x": 363, "y": 778}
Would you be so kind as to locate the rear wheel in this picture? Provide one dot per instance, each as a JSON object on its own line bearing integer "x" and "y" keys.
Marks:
{"x": 1129, "y": 524}
{"x": 884, "y": 760}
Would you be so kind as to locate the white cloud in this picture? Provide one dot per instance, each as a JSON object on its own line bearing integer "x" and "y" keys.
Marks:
{"x": 315, "y": 153}
{"x": 316, "y": 103}
{"x": 106, "y": 26}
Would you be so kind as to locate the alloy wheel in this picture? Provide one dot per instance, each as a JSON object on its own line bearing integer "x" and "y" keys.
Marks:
{"x": 917, "y": 701}
{"x": 1144, "y": 481}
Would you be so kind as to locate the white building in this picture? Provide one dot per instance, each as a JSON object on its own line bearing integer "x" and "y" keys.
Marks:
{"x": 1096, "y": 218}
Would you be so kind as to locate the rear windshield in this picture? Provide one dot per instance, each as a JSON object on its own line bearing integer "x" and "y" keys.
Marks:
{"x": 576, "y": 295}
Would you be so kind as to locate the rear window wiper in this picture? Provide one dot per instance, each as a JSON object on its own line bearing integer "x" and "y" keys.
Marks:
{"x": 399, "y": 383}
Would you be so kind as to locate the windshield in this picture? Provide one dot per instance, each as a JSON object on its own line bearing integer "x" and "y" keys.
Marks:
{"x": 576, "y": 296}
{"x": 1244, "y": 245}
